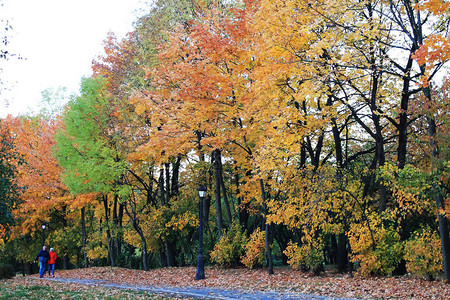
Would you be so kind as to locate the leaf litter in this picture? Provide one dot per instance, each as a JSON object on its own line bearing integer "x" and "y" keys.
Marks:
{"x": 285, "y": 280}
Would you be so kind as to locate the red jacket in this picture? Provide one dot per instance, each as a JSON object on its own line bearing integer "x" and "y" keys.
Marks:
{"x": 52, "y": 257}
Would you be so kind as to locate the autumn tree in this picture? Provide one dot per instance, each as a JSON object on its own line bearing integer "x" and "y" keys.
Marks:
{"x": 45, "y": 199}
{"x": 338, "y": 66}
{"x": 9, "y": 188}
{"x": 432, "y": 52}
{"x": 87, "y": 151}
{"x": 320, "y": 128}
{"x": 154, "y": 173}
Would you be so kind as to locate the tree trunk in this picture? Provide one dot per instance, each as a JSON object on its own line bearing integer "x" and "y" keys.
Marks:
{"x": 381, "y": 158}
{"x": 442, "y": 219}
{"x": 242, "y": 211}
{"x": 403, "y": 116}
{"x": 443, "y": 222}
{"x": 142, "y": 237}
{"x": 144, "y": 251}
{"x": 170, "y": 253}
{"x": 23, "y": 268}
{"x": 267, "y": 240}
{"x": 334, "y": 250}
{"x": 350, "y": 264}
{"x": 119, "y": 224}
{"x": 267, "y": 231}
{"x": 280, "y": 234}
{"x": 167, "y": 178}
{"x": 83, "y": 236}
{"x": 337, "y": 144}
{"x": 224, "y": 192}
{"x": 217, "y": 157}
{"x": 443, "y": 233}
{"x": 163, "y": 259}
{"x": 161, "y": 186}
{"x": 65, "y": 260}
{"x": 176, "y": 175}
{"x": 342, "y": 255}
{"x": 115, "y": 229}
{"x": 206, "y": 209}
{"x": 65, "y": 250}
{"x": 108, "y": 232}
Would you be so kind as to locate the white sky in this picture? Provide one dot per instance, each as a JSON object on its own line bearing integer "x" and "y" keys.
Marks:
{"x": 58, "y": 39}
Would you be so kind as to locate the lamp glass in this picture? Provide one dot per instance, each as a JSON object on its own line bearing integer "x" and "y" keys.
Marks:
{"x": 43, "y": 226}
{"x": 202, "y": 191}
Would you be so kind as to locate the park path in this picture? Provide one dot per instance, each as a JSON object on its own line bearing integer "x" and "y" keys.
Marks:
{"x": 196, "y": 293}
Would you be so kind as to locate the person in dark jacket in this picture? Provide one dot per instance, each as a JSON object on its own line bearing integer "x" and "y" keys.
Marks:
{"x": 43, "y": 257}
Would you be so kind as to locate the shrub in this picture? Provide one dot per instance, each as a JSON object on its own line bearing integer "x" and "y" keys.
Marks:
{"x": 379, "y": 258}
{"x": 7, "y": 271}
{"x": 423, "y": 253}
{"x": 308, "y": 256}
{"x": 254, "y": 250}
{"x": 230, "y": 247}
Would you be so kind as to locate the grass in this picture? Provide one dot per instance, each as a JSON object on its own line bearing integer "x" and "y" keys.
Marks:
{"x": 26, "y": 288}
{"x": 23, "y": 292}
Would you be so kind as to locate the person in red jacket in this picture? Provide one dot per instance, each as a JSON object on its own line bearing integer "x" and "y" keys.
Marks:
{"x": 51, "y": 262}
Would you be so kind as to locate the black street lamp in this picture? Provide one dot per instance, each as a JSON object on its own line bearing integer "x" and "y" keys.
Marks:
{"x": 200, "y": 259}
{"x": 43, "y": 234}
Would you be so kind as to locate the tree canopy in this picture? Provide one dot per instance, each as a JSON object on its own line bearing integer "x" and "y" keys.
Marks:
{"x": 318, "y": 128}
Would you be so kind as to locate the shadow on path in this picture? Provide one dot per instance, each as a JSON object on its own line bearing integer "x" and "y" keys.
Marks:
{"x": 196, "y": 293}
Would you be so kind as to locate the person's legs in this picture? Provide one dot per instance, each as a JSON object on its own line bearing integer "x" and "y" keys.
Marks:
{"x": 41, "y": 269}
{"x": 53, "y": 270}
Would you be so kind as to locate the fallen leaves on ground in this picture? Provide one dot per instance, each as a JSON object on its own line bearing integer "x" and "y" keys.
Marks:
{"x": 32, "y": 289}
{"x": 284, "y": 280}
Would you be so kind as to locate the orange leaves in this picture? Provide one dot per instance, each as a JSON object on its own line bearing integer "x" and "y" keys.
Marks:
{"x": 82, "y": 200}
{"x": 435, "y": 50}
{"x": 436, "y": 7}
{"x": 41, "y": 174}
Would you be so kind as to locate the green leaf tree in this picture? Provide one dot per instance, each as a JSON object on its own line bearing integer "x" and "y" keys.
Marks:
{"x": 87, "y": 151}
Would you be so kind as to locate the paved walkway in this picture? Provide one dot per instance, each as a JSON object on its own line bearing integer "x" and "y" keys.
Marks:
{"x": 196, "y": 293}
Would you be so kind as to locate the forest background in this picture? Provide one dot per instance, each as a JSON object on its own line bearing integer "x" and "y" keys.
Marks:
{"x": 319, "y": 129}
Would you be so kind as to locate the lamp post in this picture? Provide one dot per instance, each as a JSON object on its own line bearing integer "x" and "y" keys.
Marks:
{"x": 200, "y": 259}
{"x": 43, "y": 234}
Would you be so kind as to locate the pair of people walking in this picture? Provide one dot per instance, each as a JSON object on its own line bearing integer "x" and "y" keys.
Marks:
{"x": 44, "y": 257}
